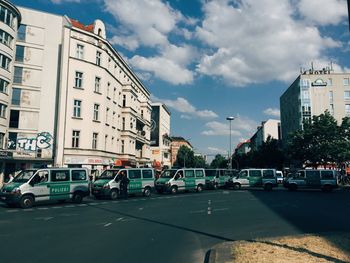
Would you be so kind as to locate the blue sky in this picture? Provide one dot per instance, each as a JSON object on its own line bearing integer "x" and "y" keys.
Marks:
{"x": 211, "y": 59}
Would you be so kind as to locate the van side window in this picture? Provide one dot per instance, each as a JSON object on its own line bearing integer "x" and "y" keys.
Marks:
{"x": 243, "y": 174}
{"x": 78, "y": 175}
{"x": 199, "y": 173}
{"x": 41, "y": 177}
{"x": 134, "y": 174}
{"x": 59, "y": 175}
{"x": 255, "y": 173}
{"x": 301, "y": 174}
{"x": 189, "y": 173}
{"x": 313, "y": 174}
{"x": 327, "y": 175}
{"x": 147, "y": 174}
{"x": 268, "y": 174}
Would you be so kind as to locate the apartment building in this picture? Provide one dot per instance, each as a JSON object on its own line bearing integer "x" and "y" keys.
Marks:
{"x": 176, "y": 143}
{"x": 312, "y": 93}
{"x": 270, "y": 128}
{"x": 160, "y": 136}
{"x": 67, "y": 97}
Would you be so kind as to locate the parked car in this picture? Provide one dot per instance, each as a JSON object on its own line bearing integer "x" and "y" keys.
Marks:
{"x": 279, "y": 175}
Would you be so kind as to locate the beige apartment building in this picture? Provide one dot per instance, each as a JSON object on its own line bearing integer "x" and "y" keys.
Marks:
{"x": 67, "y": 98}
{"x": 269, "y": 128}
{"x": 176, "y": 143}
{"x": 312, "y": 93}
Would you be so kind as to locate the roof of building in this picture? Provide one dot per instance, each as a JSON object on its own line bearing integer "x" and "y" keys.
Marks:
{"x": 180, "y": 139}
{"x": 76, "y": 23}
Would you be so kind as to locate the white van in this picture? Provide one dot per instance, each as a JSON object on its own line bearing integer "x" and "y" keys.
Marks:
{"x": 60, "y": 184}
{"x": 141, "y": 180}
{"x": 186, "y": 179}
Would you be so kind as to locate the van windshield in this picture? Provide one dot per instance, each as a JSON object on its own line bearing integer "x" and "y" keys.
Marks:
{"x": 108, "y": 174}
{"x": 24, "y": 176}
{"x": 168, "y": 173}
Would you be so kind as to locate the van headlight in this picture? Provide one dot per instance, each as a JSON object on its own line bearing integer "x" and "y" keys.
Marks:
{"x": 16, "y": 191}
{"x": 106, "y": 186}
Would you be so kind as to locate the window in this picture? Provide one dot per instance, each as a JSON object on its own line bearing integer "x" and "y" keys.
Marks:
{"x": 114, "y": 92}
{"x": 131, "y": 124}
{"x": 3, "y": 108}
{"x": 98, "y": 58}
{"x": 255, "y": 173}
{"x": 108, "y": 86}
{"x": 199, "y": 173}
{"x": 79, "y": 175}
{"x": 330, "y": 82}
{"x": 243, "y": 174}
{"x": 189, "y": 173}
{"x": 347, "y": 109}
{"x": 113, "y": 119}
{"x": 2, "y": 139}
{"x": 3, "y": 85}
{"x": 75, "y": 139}
{"x": 6, "y": 16}
{"x": 124, "y": 100}
{"x": 327, "y": 174}
{"x": 331, "y": 96}
{"x": 346, "y": 81}
{"x": 16, "y": 96}
{"x": 106, "y": 140}
{"x": 96, "y": 112}
{"x": 147, "y": 174}
{"x": 6, "y": 38}
{"x": 268, "y": 174}
{"x": 77, "y": 109}
{"x": 17, "y": 77}
{"x": 97, "y": 84}
{"x": 141, "y": 113}
{"x": 59, "y": 175}
{"x": 123, "y": 123}
{"x": 14, "y": 118}
{"x": 19, "y": 53}
{"x": 21, "y": 33}
{"x": 12, "y": 142}
{"x": 331, "y": 109}
{"x": 4, "y": 62}
{"x": 94, "y": 140}
{"x": 134, "y": 174}
{"x": 80, "y": 51}
{"x": 78, "y": 80}
{"x": 347, "y": 94}
{"x": 122, "y": 146}
{"x": 107, "y": 116}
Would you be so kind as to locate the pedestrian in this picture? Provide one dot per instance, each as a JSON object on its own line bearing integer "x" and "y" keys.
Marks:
{"x": 124, "y": 181}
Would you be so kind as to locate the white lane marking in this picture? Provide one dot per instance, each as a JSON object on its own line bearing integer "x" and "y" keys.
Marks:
{"x": 141, "y": 208}
{"x": 220, "y": 209}
{"x": 12, "y": 211}
{"x": 108, "y": 224}
{"x": 119, "y": 219}
{"x": 44, "y": 218}
{"x": 93, "y": 203}
{"x": 81, "y": 205}
{"x": 57, "y": 207}
{"x": 225, "y": 192}
{"x": 103, "y": 203}
{"x": 114, "y": 202}
{"x": 42, "y": 208}
{"x": 69, "y": 206}
{"x": 197, "y": 211}
{"x": 30, "y": 209}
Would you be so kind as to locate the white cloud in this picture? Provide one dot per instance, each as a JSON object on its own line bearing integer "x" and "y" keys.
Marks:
{"x": 257, "y": 41}
{"x": 217, "y": 150}
{"x": 182, "y": 105}
{"x": 323, "y": 12}
{"x": 240, "y": 127}
{"x": 64, "y": 1}
{"x": 272, "y": 112}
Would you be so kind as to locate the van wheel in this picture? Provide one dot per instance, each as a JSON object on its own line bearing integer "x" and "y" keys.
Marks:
{"x": 174, "y": 189}
{"x": 268, "y": 187}
{"x": 236, "y": 186}
{"x": 77, "y": 198}
{"x": 114, "y": 194}
{"x": 27, "y": 201}
{"x": 147, "y": 192}
{"x": 199, "y": 188}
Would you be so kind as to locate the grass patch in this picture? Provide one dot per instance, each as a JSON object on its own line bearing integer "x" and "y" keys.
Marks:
{"x": 303, "y": 248}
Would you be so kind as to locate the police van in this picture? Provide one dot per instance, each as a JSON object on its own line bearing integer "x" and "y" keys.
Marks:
{"x": 323, "y": 179}
{"x": 185, "y": 179}
{"x": 265, "y": 178}
{"x": 60, "y": 184}
{"x": 216, "y": 178}
{"x": 141, "y": 180}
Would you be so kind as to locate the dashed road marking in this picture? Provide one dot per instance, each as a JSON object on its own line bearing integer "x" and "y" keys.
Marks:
{"x": 12, "y": 211}
{"x": 108, "y": 224}
{"x": 42, "y": 208}
{"x": 197, "y": 211}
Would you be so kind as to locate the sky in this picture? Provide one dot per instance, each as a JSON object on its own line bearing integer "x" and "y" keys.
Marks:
{"x": 207, "y": 60}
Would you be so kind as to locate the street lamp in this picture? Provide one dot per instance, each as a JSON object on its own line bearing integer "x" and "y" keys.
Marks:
{"x": 230, "y": 119}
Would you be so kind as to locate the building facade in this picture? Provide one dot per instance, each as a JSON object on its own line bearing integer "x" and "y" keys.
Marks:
{"x": 312, "y": 93}
{"x": 242, "y": 148}
{"x": 176, "y": 143}
{"x": 160, "y": 136}
{"x": 270, "y": 128}
{"x": 67, "y": 97}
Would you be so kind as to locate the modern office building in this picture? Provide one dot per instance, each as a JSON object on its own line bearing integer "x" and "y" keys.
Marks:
{"x": 312, "y": 93}
{"x": 160, "y": 136}
{"x": 67, "y": 98}
{"x": 270, "y": 128}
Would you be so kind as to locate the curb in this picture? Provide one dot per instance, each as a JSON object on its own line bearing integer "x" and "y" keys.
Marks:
{"x": 221, "y": 253}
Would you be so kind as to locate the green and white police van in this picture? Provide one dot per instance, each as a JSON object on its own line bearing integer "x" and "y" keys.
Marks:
{"x": 323, "y": 179}
{"x": 141, "y": 180}
{"x": 265, "y": 178}
{"x": 60, "y": 184}
{"x": 185, "y": 179}
{"x": 216, "y": 178}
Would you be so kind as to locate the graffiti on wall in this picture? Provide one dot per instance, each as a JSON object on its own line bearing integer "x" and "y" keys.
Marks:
{"x": 43, "y": 140}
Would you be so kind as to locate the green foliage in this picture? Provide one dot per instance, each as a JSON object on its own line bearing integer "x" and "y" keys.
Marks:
{"x": 219, "y": 162}
{"x": 185, "y": 157}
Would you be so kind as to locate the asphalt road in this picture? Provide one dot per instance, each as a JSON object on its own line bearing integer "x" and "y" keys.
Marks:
{"x": 164, "y": 228}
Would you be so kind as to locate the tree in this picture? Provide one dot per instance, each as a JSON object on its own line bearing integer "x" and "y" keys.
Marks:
{"x": 185, "y": 157}
{"x": 219, "y": 162}
{"x": 199, "y": 162}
